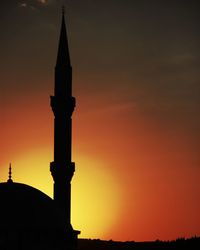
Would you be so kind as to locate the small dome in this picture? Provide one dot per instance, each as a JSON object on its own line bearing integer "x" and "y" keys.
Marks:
{"x": 23, "y": 206}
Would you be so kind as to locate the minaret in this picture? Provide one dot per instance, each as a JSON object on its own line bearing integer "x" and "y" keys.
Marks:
{"x": 63, "y": 104}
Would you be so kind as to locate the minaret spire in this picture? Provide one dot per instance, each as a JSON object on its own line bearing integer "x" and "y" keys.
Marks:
{"x": 63, "y": 104}
{"x": 63, "y": 57}
{"x": 63, "y": 10}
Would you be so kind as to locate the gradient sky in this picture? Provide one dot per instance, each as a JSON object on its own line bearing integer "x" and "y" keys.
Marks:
{"x": 136, "y": 127}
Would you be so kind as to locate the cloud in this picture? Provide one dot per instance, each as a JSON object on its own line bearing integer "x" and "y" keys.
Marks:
{"x": 24, "y": 5}
{"x": 183, "y": 59}
{"x": 34, "y": 4}
{"x": 42, "y": 1}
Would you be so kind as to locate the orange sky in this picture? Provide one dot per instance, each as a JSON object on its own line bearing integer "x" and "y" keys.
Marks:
{"x": 134, "y": 179}
{"x": 135, "y": 127}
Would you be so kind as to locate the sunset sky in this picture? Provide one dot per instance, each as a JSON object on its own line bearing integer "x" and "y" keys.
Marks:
{"x": 136, "y": 127}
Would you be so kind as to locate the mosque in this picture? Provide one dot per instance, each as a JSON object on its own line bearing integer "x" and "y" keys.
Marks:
{"x": 29, "y": 219}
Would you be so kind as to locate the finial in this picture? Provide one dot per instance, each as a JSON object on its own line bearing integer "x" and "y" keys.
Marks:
{"x": 63, "y": 10}
{"x": 10, "y": 173}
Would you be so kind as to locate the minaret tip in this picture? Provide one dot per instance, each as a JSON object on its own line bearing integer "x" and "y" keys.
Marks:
{"x": 10, "y": 174}
{"x": 63, "y": 57}
{"x": 63, "y": 10}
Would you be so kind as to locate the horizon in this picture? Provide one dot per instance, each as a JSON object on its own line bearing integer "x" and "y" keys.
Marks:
{"x": 135, "y": 126}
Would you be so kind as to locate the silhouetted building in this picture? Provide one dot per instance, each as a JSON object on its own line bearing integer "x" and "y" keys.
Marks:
{"x": 29, "y": 219}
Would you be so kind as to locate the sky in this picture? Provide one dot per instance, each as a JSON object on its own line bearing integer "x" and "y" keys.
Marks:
{"x": 136, "y": 138}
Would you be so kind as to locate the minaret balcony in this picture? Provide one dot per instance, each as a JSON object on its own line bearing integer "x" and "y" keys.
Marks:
{"x": 60, "y": 173}
{"x": 63, "y": 106}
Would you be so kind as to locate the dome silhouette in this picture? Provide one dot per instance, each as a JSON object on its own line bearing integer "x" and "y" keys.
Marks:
{"x": 26, "y": 206}
{"x": 29, "y": 219}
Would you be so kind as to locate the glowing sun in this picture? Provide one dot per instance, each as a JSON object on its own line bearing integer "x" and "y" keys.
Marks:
{"x": 95, "y": 192}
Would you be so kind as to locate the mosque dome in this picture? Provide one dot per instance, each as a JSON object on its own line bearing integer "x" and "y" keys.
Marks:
{"x": 29, "y": 219}
{"x": 25, "y": 206}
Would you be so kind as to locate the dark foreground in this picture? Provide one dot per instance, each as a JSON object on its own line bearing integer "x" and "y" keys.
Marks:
{"x": 189, "y": 244}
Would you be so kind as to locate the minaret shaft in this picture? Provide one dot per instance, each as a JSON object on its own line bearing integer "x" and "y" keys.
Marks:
{"x": 63, "y": 80}
{"x": 62, "y": 134}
